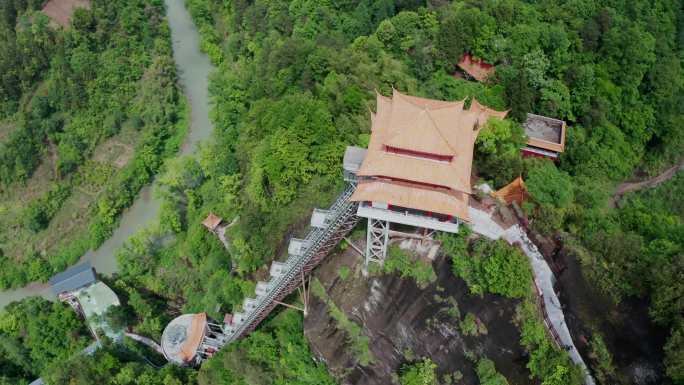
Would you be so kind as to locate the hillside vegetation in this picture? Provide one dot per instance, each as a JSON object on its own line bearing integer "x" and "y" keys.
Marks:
{"x": 296, "y": 80}
{"x": 89, "y": 113}
{"x": 293, "y": 87}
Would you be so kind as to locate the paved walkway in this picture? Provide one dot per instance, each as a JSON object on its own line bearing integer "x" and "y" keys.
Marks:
{"x": 146, "y": 341}
{"x": 482, "y": 223}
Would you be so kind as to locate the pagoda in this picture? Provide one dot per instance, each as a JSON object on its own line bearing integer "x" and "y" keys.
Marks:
{"x": 417, "y": 168}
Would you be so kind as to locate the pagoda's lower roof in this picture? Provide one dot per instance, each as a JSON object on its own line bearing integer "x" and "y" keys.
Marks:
{"x": 404, "y": 194}
{"x": 425, "y": 171}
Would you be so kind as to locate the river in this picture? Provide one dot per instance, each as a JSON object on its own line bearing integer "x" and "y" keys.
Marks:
{"x": 193, "y": 69}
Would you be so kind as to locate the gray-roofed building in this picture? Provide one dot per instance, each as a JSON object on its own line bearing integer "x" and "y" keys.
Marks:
{"x": 72, "y": 279}
{"x": 38, "y": 382}
{"x": 353, "y": 157}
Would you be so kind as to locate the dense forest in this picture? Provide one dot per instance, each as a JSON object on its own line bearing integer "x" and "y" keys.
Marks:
{"x": 293, "y": 86}
{"x": 296, "y": 80}
{"x": 87, "y": 114}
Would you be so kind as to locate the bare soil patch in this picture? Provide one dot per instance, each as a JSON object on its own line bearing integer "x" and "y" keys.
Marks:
{"x": 114, "y": 152}
{"x": 6, "y": 129}
{"x": 60, "y": 11}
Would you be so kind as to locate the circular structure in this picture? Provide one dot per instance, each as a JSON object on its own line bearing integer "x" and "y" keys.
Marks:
{"x": 183, "y": 337}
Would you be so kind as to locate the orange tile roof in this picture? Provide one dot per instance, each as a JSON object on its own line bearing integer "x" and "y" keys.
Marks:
{"x": 212, "y": 221}
{"x": 425, "y": 126}
{"x": 513, "y": 192}
{"x": 195, "y": 335}
{"x": 478, "y": 69}
{"x": 407, "y": 195}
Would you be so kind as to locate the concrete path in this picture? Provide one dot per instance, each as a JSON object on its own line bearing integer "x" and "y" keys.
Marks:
{"x": 483, "y": 224}
{"x": 146, "y": 341}
{"x": 626, "y": 187}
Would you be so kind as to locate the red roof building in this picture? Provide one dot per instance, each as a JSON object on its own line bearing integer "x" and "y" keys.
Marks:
{"x": 475, "y": 68}
{"x": 212, "y": 222}
{"x": 420, "y": 156}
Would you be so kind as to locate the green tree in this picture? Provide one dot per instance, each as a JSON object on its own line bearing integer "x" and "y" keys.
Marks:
{"x": 493, "y": 267}
{"x": 487, "y": 374}
{"x": 674, "y": 352}
{"x": 419, "y": 373}
{"x": 497, "y": 151}
{"x": 549, "y": 186}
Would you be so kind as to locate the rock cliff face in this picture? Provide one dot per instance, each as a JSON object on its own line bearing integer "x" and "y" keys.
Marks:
{"x": 405, "y": 322}
{"x": 635, "y": 342}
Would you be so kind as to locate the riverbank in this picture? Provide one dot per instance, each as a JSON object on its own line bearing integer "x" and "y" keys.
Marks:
{"x": 193, "y": 68}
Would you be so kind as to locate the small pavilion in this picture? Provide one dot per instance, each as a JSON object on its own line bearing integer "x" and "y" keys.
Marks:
{"x": 513, "y": 192}
{"x": 212, "y": 222}
{"x": 191, "y": 338}
{"x": 417, "y": 168}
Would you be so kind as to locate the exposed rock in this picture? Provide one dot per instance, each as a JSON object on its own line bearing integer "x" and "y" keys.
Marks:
{"x": 633, "y": 339}
{"x": 404, "y": 323}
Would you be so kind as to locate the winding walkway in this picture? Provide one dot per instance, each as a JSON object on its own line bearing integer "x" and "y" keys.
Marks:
{"x": 483, "y": 224}
{"x": 627, "y": 187}
{"x": 146, "y": 341}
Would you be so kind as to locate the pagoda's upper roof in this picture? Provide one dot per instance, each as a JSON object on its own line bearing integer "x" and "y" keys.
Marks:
{"x": 425, "y": 142}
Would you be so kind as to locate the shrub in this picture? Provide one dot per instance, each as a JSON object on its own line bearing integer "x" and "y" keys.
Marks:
{"x": 486, "y": 372}
{"x": 493, "y": 267}
{"x": 359, "y": 343}
{"x": 419, "y": 373}
{"x": 344, "y": 272}
{"x": 400, "y": 261}
{"x": 472, "y": 326}
{"x": 603, "y": 360}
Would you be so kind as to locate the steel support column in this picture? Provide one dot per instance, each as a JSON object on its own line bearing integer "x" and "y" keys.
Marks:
{"x": 376, "y": 241}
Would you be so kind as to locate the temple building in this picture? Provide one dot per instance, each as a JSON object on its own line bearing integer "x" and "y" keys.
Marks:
{"x": 545, "y": 136}
{"x": 417, "y": 168}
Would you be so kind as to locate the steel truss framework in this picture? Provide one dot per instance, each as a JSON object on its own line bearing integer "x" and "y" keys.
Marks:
{"x": 341, "y": 220}
{"x": 213, "y": 340}
{"x": 377, "y": 238}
